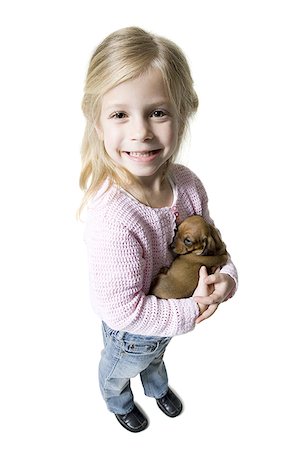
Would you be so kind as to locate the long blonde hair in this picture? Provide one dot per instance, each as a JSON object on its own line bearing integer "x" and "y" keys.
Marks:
{"x": 125, "y": 55}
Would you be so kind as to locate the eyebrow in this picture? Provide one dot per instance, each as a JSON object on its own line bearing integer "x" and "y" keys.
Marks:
{"x": 156, "y": 104}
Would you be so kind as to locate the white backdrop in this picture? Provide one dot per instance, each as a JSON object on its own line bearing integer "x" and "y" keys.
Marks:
{"x": 238, "y": 373}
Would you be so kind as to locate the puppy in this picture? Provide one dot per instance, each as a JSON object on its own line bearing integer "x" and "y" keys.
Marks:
{"x": 196, "y": 243}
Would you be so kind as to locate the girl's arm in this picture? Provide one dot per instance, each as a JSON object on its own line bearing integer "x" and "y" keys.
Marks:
{"x": 223, "y": 284}
{"x": 118, "y": 284}
{"x": 229, "y": 268}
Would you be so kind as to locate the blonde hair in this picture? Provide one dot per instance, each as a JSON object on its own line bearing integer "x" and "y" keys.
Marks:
{"x": 125, "y": 55}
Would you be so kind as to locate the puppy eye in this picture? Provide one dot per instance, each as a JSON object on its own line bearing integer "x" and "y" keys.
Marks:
{"x": 188, "y": 242}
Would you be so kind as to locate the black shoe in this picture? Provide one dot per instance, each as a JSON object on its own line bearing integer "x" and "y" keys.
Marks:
{"x": 134, "y": 421}
{"x": 170, "y": 404}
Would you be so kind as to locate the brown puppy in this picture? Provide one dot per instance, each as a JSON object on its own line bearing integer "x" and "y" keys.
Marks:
{"x": 196, "y": 243}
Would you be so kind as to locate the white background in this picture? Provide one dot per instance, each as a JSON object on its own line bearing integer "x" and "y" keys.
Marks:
{"x": 238, "y": 373}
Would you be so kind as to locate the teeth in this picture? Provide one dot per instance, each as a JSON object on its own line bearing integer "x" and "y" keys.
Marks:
{"x": 142, "y": 155}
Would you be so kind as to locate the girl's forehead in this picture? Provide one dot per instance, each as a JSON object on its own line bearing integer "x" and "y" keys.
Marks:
{"x": 148, "y": 87}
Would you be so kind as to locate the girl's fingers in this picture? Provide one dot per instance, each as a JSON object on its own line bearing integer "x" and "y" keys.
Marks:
{"x": 213, "y": 278}
{"x": 206, "y": 314}
{"x": 213, "y": 298}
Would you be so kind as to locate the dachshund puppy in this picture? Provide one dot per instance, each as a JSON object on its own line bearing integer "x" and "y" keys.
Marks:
{"x": 196, "y": 243}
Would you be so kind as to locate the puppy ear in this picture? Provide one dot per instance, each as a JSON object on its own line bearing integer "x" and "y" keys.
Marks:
{"x": 205, "y": 250}
{"x": 211, "y": 246}
{"x": 215, "y": 242}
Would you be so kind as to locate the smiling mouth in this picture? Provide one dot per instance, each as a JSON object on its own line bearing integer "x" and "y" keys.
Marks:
{"x": 143, "y": 154}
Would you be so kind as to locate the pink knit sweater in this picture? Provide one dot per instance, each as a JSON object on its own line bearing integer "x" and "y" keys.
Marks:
{"x": 128, "y": 243}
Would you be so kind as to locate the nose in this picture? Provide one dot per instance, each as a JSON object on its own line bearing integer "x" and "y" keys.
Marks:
{"x": 141, "y": 130}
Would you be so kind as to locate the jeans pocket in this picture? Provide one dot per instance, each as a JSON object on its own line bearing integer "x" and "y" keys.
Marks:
{"x": 135, "y": 347}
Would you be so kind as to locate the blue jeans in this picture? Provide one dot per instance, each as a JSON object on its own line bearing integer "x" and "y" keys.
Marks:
{"x": 124, "y": 356}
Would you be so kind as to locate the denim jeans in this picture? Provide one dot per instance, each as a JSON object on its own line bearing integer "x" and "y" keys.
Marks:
{"x": 124, "y": 356}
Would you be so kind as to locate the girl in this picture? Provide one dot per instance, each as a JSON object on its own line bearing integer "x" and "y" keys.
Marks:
{"x": 138, "y": 99}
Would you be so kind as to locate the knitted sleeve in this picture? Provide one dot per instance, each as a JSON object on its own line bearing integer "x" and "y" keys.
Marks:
{"x": 116, "y": 268}
{"x": 229, "y": 268}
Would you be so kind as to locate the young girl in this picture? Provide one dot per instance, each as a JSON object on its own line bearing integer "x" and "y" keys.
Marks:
{"x": 138, "y": 98}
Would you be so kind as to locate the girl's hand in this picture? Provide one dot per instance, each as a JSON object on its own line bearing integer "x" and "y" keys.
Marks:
{"x": 211, "y": 291}
{"x": 202, "y": 291}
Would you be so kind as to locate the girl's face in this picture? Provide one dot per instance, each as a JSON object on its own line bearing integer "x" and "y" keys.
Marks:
{"x": 138, "y": 125}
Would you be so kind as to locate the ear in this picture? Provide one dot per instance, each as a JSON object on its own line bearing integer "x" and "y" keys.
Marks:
{"x": 215, "y": 241}
{"x": 210, "y": 246}
{"x": 205, "y": 250}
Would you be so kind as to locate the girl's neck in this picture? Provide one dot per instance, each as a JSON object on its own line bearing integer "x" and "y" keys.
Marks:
{"x": 153, "y": 191}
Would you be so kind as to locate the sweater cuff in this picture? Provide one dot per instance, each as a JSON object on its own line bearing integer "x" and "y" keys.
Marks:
{"x": 194, "y": 313}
